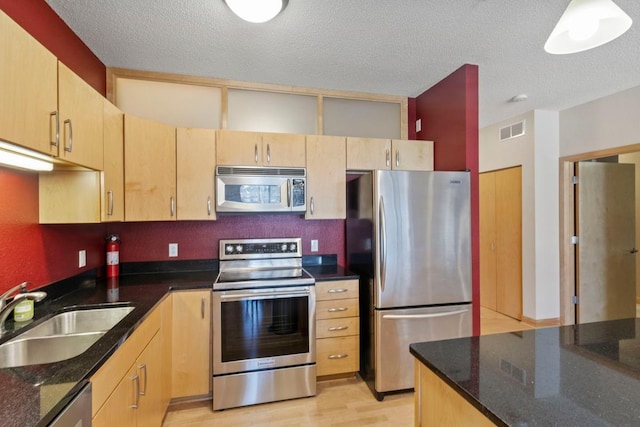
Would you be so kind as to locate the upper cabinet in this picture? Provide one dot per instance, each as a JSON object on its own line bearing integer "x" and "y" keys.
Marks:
{"x": 53, "y": 111}
{"x": 149, "y": 170}
{"x": 326, "y": 177}
{"x": 29, "y": 88}
{"x": 386, "y": 154}
{"x": 80, "y": 110}
{"x": 112, "y": 180}
{"x": 196, "y": 170}
{"x": 237, "y": 148}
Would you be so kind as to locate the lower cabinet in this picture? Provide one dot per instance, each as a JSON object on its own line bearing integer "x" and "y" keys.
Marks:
{"x": 127, "y": 389}
{"x": 191, "y": 344}
{"x": 337, "y": 328}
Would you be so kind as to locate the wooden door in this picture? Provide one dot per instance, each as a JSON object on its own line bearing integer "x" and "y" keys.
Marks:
{"x": 508, "y": 208}
{"x": 195, "y": 173}
{"x": 149, "y": 170}
{"x": 606, "y": 232}
{"x": 149, "y": 366}
{"x": 368, "y": 153}
{"x": 81, "y": 120}
{"x": 191, "y": 355}
{"x": 411, "y": 155}
{"x": 488, "y": 266}
{"x": 283, "y": 149}
{"x": 326, "y": 177}
{"x": 29, "y": 88}
{"x": 112, "y": 194}
{"x": 235, "y": 148}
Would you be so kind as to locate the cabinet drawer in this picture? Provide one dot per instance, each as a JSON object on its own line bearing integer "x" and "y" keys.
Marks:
{"x": 327, "y": 328}
{"x": 337, "y": 308}
{"x": 337, "y": 355}
{"x": 336, "y": 289}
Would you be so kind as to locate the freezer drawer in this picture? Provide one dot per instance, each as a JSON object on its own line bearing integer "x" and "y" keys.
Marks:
{"x": 396, "y": 329}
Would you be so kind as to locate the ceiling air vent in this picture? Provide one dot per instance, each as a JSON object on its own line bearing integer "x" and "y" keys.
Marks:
{"x": 512, "y": 131}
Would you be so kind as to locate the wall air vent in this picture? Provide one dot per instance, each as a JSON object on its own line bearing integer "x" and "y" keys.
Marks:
{"x": 512, "y": 131}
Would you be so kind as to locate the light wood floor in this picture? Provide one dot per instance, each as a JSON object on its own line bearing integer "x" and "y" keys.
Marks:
{"x": 338, "y": 403}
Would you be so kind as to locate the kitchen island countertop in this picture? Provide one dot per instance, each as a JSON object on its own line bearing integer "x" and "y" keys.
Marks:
{"x": 33, "y": 395}
{"x": 579, "y": 375}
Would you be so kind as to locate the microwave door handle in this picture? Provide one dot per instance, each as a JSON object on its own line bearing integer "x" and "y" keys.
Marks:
{"x": 289, "y": 192}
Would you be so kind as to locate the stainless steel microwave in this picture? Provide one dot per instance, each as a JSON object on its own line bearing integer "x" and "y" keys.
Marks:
{"x": 247, "y": 189}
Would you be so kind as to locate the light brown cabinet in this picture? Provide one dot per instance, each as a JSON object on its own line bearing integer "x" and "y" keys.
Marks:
{"x": 196, "y": 169}
{"x": 191, "y": 343}
{"x": 149, "y": 170}
{"x": 112, "y": 178}
{"x": 326, "y": 177}
{"x": 501, "y": 241}
{"x": 29, "y": 88}
{"x": 238, "y": 148}
{"x": 387, "y": 154}
{"x": 127, "y": 389}
{"x": 337, "y": 328}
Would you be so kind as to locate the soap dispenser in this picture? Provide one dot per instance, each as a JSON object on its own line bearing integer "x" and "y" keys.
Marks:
{"x": 23, "y": 311}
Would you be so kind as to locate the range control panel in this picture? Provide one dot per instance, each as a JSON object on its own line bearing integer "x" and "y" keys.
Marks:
{"x": 260, "y": 248}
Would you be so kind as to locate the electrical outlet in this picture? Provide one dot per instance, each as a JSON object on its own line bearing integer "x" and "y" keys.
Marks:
{"x": 314, "y": 246}
{"x": 173, "y": 249}
{"x": 418, "y": 125}
{"x": 82, "y": 258}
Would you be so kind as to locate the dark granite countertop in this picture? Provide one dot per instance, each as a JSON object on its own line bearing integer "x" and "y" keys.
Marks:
{"x": 33, "y": 395}
{"x": 581, "y": 375}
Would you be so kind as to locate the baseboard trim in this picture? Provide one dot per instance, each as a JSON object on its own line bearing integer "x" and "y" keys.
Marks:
{"x": 541, "y": 323}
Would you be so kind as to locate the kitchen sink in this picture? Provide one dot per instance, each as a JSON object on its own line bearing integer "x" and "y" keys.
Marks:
{"x": 32, "y": 351}
{"x": 60, "y": 337}
{"x": 79, "y": 321}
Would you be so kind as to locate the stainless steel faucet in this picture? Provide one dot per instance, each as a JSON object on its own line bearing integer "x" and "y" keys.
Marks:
{"x": 7, "y": 307}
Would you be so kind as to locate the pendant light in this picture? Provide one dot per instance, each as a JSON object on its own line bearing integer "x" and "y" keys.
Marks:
{"x": 586, "y": 24}
{"x": 256, "y": 11}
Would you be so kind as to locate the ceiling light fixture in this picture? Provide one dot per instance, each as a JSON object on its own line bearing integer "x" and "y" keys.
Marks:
{"x": 586, "y": 24}
{"x": 22, "y": 158}
{"x": 257, "y": 11}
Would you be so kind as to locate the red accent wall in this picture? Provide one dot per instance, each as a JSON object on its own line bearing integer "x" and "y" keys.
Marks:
{"x": 449, "y": 114}
{"x": 44, "y": 25}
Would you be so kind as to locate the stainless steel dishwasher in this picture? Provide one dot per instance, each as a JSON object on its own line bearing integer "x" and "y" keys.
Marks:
{"x": 78, "y": 412}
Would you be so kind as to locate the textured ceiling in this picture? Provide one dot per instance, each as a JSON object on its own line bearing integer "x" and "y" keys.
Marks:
{"x": 396, "y": 47}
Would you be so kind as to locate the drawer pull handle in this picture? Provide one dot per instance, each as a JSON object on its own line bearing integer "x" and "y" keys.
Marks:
{"x": 136, "y": 392}
{"x": 338, "y": 356}
{"x": 338, "y": 291}
{"x": 338, "y": 328}
{"x": 336, "y": 309}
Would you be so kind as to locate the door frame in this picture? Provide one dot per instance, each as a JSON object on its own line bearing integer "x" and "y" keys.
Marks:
{"x": 567, "y": 225}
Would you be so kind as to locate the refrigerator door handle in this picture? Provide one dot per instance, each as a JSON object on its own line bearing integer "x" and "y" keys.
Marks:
{"x": 382, "y": 265}
{"x": 423, "y": 316}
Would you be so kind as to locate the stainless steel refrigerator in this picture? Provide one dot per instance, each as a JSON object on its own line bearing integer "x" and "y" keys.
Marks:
{"x": 408, "y": 237}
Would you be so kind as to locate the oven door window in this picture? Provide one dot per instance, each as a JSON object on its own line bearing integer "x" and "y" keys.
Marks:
{"x": 260, "y": 328}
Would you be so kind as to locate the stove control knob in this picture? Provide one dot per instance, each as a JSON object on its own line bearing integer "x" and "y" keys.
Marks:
{"x": 283, "y": 247}
{"x": 292, "y": 247}
{"x": 239, "y": 248}
{"x": 229, "y": 248}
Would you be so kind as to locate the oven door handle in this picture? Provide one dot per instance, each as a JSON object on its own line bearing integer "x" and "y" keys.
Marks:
{"x": 263, "y": 295}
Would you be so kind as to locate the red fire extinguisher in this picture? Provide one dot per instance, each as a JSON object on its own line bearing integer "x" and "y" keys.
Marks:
{"x": 113, "y": 255}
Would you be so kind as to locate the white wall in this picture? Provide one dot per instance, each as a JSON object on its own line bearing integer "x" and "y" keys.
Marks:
{"x": 537, "y": 153}
{"x": 609, "y": 122}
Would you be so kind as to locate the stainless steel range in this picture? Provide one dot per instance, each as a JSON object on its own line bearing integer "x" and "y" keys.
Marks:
{"x": 263, "y": 324}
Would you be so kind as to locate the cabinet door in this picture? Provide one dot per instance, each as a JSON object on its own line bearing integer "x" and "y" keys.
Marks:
{"x": 283, "y": 149}
{"x": 166, "y": 310}
{"x": 368, "y": 153}
{"x": 112, "y": 194}
{"x": 81, "y": 124}
{"x": 149, "y": 368}
{"x": 120, "y": 408}
{"x": 29, "y": 88}
{"x": 326, "y": 177}
{"x": 195, "y": 173}
{"x": 412, "y": 155}
{"x": 149, "y": 170}
{"x": 235, "y": 148}
{"x": 191, "y": 347}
